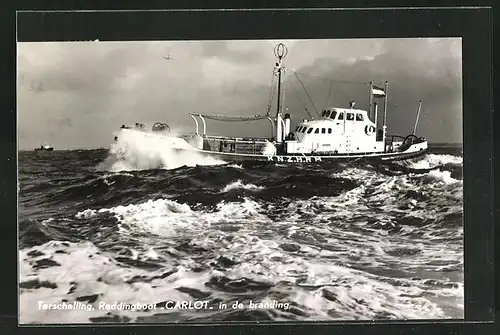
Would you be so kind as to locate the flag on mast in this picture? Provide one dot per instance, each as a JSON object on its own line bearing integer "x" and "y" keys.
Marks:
{"x": 378, "y": 92}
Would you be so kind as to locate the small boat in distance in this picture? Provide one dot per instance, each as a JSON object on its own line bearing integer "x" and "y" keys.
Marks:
{"x": 45, "y": 148}
{"x": 338, "y": 134}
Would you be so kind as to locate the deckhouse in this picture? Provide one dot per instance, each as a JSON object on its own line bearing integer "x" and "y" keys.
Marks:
{"x": 339, "y": 130}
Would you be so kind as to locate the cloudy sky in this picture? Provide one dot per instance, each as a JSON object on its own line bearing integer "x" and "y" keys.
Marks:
{"x": 75, "y": 95}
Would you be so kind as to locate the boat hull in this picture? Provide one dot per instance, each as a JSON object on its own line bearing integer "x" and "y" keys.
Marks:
{"x": 412, "y": 152}
{"x": 180, "y": 145}
{"x": 311, "y": 158}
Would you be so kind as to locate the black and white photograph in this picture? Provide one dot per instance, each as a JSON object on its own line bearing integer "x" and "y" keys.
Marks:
{"x": 202, "y": 181}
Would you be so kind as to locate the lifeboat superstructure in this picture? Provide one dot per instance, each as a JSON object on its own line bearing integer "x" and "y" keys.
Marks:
{"x": 339, "y": 131}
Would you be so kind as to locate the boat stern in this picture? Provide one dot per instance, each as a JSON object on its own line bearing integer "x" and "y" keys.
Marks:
{"x": 413, "y": 145}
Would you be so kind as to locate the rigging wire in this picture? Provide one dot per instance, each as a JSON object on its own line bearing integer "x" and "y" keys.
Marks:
{"x": 271, "y": 96}
{"x": 298, "y": 97}
{"x": 328, "y": 97}
{"x": 300, "y": 81}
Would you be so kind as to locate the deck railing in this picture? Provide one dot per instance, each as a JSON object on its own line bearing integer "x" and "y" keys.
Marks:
{"x": 238, "y": 145}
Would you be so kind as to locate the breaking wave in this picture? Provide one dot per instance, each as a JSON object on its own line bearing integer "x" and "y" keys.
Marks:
{"x": 134, "y": 150}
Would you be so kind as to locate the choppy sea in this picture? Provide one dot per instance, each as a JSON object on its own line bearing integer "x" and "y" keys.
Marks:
{"x": 309, "y": 242}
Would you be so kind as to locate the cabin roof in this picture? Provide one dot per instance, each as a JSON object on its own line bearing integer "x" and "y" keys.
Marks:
{"x": 318, "y": 122}
{"x": 352, "y": 110}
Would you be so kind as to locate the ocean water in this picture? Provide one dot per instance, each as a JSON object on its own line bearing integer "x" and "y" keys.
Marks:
{"x": 309, "y": 242}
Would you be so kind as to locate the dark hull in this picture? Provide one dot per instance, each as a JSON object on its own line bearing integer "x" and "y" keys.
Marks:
{"x": 50, "y": 149}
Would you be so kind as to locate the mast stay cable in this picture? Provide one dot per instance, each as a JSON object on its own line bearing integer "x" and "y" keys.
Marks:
{"x": 307, "y": 93}
{"x": 329, "y": 92}
{"x": 271, "y": 96}
{"x": 298, "y": 97}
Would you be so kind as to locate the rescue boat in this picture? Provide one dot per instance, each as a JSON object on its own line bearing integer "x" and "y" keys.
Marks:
{"x": 338, "y": 133}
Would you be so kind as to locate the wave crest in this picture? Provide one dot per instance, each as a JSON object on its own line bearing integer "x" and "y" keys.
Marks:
{"x": 136, "y": 150}
{"x": 433, "y": 160}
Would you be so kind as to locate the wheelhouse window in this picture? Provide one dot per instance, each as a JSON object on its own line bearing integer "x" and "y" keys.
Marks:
{"x": 350, "y": 117}
{"x": 359, "y": 117}
{"x": 333, "y": 115}
{"x": 341, "y": 116}
{"x": 328, "y": 114}
{"x": 323, "y": 114}
{"x": 310, "y": 130}
{"x": 316, "y": 131}
{"x": 323, "y": 130}
{"x": 304, "y": 129}
{"x": 329, "y": 130}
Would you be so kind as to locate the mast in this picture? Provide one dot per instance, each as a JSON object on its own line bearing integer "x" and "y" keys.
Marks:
{"x": 385, "y": 103}
{"x": 370, "y": 101}
{"x": 418, "y": 114}
{"x": 384, "y": 128}
{"x": 280, "y": 51}
{"x": 278, "y": 111}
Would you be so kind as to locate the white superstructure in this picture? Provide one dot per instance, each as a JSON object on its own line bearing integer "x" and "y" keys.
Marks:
{"x": 340, "y": 130}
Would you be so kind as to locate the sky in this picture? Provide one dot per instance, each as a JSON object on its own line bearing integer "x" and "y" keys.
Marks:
{"x": 76, "y": 94}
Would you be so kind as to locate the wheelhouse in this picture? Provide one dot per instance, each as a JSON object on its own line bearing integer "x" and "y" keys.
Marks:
{"x": 340, "y": 130}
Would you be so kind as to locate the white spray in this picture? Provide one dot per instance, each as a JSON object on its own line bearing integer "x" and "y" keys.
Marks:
{"x": 138, "y": 150}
